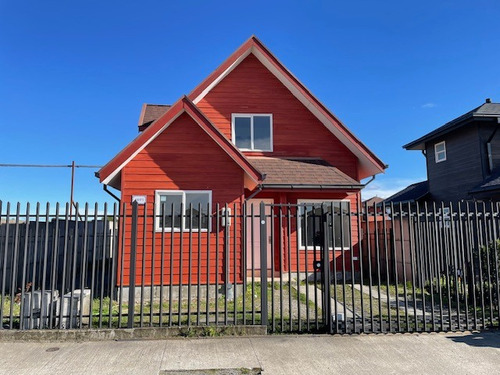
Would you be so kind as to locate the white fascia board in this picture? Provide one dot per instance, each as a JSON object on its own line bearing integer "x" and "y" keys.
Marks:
{"x": 222, "y": 76}
{"x": 115, "y": 173}
{"x": 117, "y": 170}
{"x": 365, "y": 163}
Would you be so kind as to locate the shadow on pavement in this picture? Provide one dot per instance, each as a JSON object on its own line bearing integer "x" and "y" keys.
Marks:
{"x": 480, "y": 339}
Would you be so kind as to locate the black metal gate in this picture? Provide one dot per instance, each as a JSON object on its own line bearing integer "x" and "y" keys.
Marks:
{"x": 299, "y": 276}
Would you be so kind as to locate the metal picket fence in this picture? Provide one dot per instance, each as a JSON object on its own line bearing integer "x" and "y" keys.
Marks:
{"x": 309, "y": 267}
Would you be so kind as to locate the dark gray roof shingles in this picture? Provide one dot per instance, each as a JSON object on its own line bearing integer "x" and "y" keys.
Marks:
{"x": 490, "y": 183}
{"x": 484, "y": 110}
{"x": 410, "y": 194}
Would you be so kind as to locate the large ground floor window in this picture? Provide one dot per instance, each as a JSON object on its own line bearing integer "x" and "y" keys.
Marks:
{"x": 313, "y": 213}
{"x": 186, "y": 209}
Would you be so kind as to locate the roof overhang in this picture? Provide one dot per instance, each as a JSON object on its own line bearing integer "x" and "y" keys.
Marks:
{"x": 110, "y": 174}
{"x": 487, "y": 189}
{"x": 419, "y": 144}
{"x": 311, "y": 187}
{"x": 369, "y": 164}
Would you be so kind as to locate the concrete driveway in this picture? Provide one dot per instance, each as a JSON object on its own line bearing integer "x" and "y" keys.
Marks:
{"x": 453, "y": 353}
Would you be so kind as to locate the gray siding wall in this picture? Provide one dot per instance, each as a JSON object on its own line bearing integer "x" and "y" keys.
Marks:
{"x": 489, "y": 131}
{"x": 450, "y": 180}
{"x": 495, "y": 148}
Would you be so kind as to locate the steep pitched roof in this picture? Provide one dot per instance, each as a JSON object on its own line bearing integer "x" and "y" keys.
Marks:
{"x": 488, "y": 110}
{"x": 369, "y": 163}
{"x": 110, "y": 173}
{"x": 302, "y": 173}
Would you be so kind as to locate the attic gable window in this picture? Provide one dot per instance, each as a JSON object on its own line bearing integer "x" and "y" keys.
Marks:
{"x": 252, "y": 132}
{"x": 440, "y": 151}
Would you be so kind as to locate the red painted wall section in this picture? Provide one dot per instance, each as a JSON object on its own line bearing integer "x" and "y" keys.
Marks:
{"x": 297, "y": 259}
{"x": 183, "y": 157}
{"x": 251, "y": 88}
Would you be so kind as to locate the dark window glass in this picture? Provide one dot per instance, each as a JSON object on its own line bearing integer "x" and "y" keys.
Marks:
{"x": 313, "y": 217}
{"x": 262, "y": 132}
{"x": 242, "y": 131}
{"x": 198, "y": 202}
{"x": 166, "y": 202}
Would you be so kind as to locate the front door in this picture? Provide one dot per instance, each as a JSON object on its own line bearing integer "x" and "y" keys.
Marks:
{"x": 253, "y": 234}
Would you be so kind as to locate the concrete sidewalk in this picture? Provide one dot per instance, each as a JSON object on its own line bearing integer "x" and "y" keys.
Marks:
{"x": 454, "y": 353}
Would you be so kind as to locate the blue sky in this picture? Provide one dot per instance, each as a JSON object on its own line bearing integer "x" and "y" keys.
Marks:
{"x": 73, "y": 75}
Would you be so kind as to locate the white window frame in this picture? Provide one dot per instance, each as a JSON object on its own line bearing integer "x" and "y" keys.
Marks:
{"x": 437, "y": 153}
{"x": 182, "y": 193}
{"x": 445, "y": 217}
{"x": 252, "y": 115}
{"x": 326, "y": 202}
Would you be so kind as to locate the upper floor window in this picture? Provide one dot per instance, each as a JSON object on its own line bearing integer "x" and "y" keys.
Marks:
{"x": 189, "y": 210}
{"x": 440, "y": 151}
{"x": 253, "y": 132}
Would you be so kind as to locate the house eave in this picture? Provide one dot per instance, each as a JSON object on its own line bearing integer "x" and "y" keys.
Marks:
{"x": 369, "y": 164}
{"x": 110, "y": 173}
{"x": 311, "y": 187}
{"x": 419, "y": 144}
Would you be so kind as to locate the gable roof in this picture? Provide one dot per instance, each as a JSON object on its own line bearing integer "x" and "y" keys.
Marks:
{"x": 302, "y": 173}
{"x": 150, "y": 113}
{"x": 369, "y": 163}
{"x": 373, "y": 200}
{"x": 110, "y": 173}
{"x": 485, "y": 110}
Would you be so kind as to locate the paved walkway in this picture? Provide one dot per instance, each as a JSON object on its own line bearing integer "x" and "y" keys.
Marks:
{"x": 340, "y": 307}
{"x": 456, "y": 354}
{"x": 392, "y": 299}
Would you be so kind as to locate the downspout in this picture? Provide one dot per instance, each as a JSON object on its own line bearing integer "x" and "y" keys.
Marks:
{"x": 371, "y": 180}
{"x": 259, "y": 189}
{"x": 105, "y": 188}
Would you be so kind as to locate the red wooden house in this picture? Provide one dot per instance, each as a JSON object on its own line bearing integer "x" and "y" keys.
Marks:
{"x": 250, "y": 132}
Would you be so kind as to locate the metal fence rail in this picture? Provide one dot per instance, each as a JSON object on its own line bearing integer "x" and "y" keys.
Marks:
{"x": 430, "y": 268}
{"x": 310, "y": 267}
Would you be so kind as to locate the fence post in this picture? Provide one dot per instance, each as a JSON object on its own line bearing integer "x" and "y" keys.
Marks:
{"x": 131, "y": 284}
{"x": 325, "y": 271}
{"x": 263, "y": 264}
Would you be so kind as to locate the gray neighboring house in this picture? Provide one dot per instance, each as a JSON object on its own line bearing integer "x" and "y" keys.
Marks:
{"x": 463, "y": 159}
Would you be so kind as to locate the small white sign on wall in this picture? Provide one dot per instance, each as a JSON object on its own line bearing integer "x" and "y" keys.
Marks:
{"x": 140, "y": 199}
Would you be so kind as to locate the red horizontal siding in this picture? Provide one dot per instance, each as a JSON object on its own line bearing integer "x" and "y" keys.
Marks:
{"x": 183, "y": 157}
{"x": 298, "y": 262}
{"x": 251, "y": 88}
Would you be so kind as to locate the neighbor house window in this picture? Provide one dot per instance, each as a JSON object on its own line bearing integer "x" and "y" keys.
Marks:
{"x": 312, "y": 214}
{"x": 186, "y": 210}
{"x": 440, "y": 151}
{"x": 253, "y": 132}
{"x": 445, "y": 217}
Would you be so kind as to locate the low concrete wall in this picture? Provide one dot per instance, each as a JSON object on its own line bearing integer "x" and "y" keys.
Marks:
{"x": 154, "y": 333}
